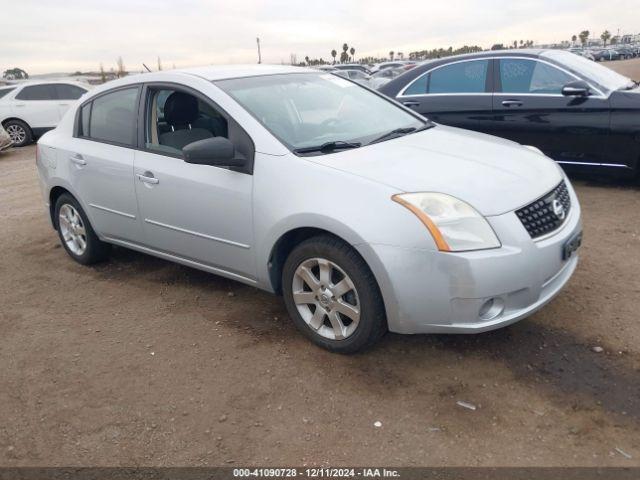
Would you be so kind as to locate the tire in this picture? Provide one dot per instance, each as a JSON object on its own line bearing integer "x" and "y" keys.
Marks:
{"x": 76, "y": 233}
{"x": 19, "y": 132}
{"x": 346, "y": 316}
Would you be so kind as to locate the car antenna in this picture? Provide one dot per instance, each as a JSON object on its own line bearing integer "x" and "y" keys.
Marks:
{"x": 148, "y": 69}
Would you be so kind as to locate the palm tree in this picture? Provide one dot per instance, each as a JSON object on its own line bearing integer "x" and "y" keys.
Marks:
{"x": 606, "y": 35}
{"x": 391, "y": 55}
{"x": 352, "y": 51}
{"x": 584, "y": 36}
{"x": 306, "y": 59}
{"x": 574, "y": 39}
{"x": 333, "y": 54}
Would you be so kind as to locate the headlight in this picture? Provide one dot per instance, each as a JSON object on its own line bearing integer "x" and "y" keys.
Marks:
{"x": 455, "y": 225}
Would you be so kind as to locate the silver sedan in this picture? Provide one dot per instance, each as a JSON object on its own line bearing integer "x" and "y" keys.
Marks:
{"x": 364, "y": 215}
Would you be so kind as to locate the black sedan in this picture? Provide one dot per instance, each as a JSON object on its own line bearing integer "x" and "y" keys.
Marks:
{"x": 576, "y": 111}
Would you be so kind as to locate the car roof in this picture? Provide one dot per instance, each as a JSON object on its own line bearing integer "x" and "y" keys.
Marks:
{"x": 223, "y": 72}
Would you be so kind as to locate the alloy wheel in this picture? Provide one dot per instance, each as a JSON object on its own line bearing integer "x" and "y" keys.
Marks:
{"x": 326, "y": 298}
{"x": 17, "y": 133}
{"x": 72, "y": 229}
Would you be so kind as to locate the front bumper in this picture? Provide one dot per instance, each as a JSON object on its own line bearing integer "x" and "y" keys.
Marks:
{"x": 434, "y": 292}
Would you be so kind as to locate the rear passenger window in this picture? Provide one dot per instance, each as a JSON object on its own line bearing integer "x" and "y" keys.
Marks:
{"x": 113, "y": 117}
{"x": 37, "y": 92}
{"x": 463, "y": 77}
{"x": 68, "y": 92}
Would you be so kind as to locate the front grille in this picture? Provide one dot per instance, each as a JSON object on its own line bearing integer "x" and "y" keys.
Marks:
{"x": 547, "y": 213}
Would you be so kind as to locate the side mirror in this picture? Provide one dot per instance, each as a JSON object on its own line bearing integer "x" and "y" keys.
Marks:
{"x": 576, "y": 89}
{"x": 216, "y": 151}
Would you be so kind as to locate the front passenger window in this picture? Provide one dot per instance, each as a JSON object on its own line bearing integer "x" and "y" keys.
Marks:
{"x": 176, "y": 119}
{"x": 519, "y": 75}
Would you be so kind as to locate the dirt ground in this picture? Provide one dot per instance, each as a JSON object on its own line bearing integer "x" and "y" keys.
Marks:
{"x": 629, "y": 68}
{"x": 139, "y": 361}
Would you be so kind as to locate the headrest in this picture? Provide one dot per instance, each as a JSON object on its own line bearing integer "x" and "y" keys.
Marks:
{"x": 180, "y": 108}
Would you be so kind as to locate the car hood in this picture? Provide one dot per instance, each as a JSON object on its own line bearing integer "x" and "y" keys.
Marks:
{"x": 494, "y": 175}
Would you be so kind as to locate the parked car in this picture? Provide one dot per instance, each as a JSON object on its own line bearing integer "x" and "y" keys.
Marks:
{"x": 352, "y": 66}
{"x": 5, "y": 139}
{"x": 625, "y": 52}
{"x": 577, "y": 112}
{"x": 363, "y": 214}
{"x": 356, "y": 75}
{"x": 383, "y": 76}
{"x": 406, "y": 64}
{"x": 29, "y": 109}
{"x": 606, "y": 54}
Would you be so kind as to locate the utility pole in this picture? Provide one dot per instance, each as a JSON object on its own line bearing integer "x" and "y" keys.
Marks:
{"x": 259, "y": 56}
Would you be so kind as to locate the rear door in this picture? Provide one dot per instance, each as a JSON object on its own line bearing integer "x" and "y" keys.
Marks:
{"x": 99, "y": 159}
{"x": 456, "y": 94}
{"x": 37, "y": 105}
{"x": 530, "y": 109}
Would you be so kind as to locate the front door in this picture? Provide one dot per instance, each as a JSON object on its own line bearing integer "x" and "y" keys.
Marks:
{"x": 456, "y": 94}
{"x": 199, "y": 213}
{"x": 530, "y": 109}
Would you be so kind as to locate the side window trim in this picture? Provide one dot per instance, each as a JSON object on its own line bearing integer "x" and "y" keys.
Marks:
{"x": 437, "y": 67}
{"x": 143, "y": 110}
{"x": 77, "y": 125}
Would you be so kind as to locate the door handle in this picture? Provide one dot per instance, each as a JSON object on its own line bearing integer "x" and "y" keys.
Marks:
{"x": 411, "y": 104}
{"x": 512, "y": 103}
{"x": 78, "y": 160}
{"x": 147, "y": 177}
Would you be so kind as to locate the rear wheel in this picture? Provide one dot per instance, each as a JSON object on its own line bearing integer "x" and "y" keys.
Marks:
{"x": 332, "y": 295}
{"x": 76, "y": 234}
{"x": 19, "y": 132}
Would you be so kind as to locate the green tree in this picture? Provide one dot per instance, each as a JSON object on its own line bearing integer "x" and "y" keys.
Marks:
{"x": 344, "y": 56}
{"x": 606, "y": 35}
{"x": 352, "y": 51}
{"x": 15, "y": 74}
{"x": 391, "y": 55}
{"x": 574, "y": 39}
{"x": 333, "y": 54}
{"x": 584, "y": 36}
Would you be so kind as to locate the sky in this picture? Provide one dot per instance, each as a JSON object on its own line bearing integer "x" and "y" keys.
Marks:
{"x": 45, "y": 36}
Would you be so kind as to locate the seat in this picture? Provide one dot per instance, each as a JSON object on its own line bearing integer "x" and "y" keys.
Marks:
{"x": 181, "y": 112}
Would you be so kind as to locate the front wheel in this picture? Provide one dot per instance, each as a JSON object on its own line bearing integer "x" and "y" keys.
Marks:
{"x": 332, "y": 295}
{"x": 76, "y": 234}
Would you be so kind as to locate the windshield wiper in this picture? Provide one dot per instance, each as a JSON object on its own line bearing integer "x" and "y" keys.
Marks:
{"x": 329, "y": 147}
{"x": 399, "y": 132}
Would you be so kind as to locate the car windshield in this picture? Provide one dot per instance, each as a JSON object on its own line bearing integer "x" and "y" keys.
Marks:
{"x": 304, "y": 110}
{"x": 603, "y": 76}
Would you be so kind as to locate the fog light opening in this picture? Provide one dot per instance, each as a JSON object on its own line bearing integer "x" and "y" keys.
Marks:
{"x": 491, "y": 309}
